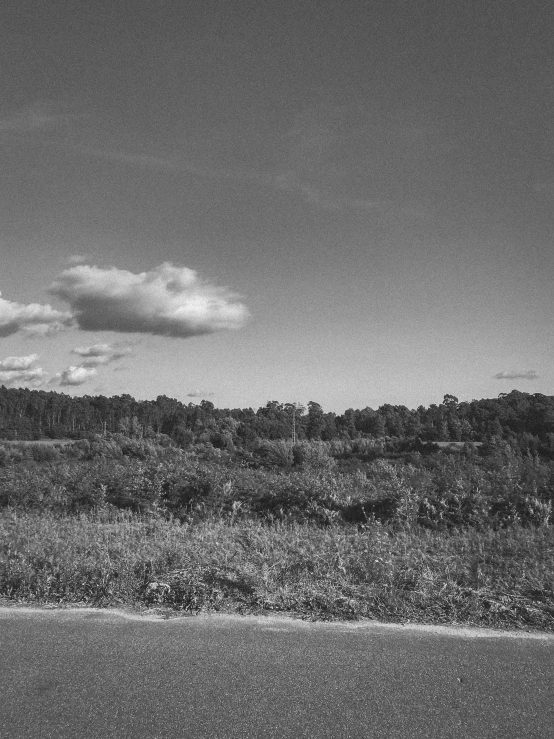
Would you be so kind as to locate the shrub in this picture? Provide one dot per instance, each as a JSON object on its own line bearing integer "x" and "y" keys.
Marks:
{"x": 313, "y": 455}
{"x": 272, "y": 454}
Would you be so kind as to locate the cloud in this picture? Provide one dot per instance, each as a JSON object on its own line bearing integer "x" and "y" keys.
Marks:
{"x": 18, "y": 371}
{"x": 146, "y": 160}
{"x": 18, "y": 363}
{"x": 515, "y": 375}
{"x": 200, "y": 394}
{"x": 98, "y": 354}
{"x": 78, "y": 258}
{"x": 95, "y": 361}
{"x": 314, "y": 196}
{"x": 35, "y": 319}
{"x": 167, "y": 301}
{"x": 94, "y": 356}
{"x": 177, "y": 164}
{"x": 102, "y": 350}
{"x": 305, "y": 162}
{"x": 37, "y": 117}
{"x": 74, "y": 375}
{"x": 33, "y": 377}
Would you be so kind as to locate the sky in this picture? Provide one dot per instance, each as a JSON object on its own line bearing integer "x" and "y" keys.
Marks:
{"x": 343, "y": 202}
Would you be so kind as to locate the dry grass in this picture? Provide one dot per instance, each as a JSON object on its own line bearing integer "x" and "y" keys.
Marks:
{"x": 499, "y": 578}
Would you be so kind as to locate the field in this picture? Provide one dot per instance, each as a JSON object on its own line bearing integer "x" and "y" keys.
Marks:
{"x": 447, "y": 539}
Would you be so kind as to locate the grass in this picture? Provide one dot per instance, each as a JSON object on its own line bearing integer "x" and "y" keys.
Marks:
{"x": 499, "y": 579}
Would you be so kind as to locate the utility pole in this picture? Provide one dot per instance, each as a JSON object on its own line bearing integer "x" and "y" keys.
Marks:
{"x": 295, "y": 407}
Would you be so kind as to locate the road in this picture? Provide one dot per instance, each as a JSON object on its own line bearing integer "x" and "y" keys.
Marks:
{"x": 69, "y": 674}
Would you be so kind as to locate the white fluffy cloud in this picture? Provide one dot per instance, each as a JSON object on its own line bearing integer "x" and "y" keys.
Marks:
{"x": 167, "y": 301}
{"x": 515, "y": 375}
{"x": 75, "y": 375}
{"x": 98, "y": 354}
{"x": 33, "y": 318}
{"x": 18, "y": 363}
{"x": 33, "y": 377}
{"x": 19, "y": 371}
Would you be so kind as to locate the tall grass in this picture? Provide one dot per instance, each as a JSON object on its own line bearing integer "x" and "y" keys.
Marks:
{"x": 501, "y": 578}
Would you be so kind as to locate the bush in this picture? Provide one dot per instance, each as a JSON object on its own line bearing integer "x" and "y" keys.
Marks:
{"x": 275, "y": 454}
{"x": 435, "y": 492}
{"x": 313, "y": 455}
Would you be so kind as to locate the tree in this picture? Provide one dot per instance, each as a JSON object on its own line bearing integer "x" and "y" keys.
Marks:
{"x": 316, "y": 421}
{"x": 450, "y": 400}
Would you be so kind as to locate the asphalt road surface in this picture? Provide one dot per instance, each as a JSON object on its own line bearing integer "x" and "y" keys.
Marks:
{"x": 80, "y": 674}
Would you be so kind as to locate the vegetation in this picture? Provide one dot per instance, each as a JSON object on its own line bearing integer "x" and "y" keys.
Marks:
{"x": 525, "y": 419}
{"x": 491, "y": 578}
{"x": 357, "y": 525}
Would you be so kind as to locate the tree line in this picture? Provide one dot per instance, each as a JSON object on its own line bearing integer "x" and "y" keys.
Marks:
{"x": 522, "y": 418}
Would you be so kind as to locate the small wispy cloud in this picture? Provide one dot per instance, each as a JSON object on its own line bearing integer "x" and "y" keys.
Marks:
{"x": 516, "y": 375}
{"x": 33, "y": 319}
{"x": 169, "y": 164}
{"x": 100, "y": 354}
{"x": 141, "y": 160}
{"x": 200, "y": 394}
{"x": 296, "y": 177}
{"x": 167, "y": 301}
{"x": 19, "y": 371}
{"x": 74, "y": 375}
{"x": 37, "y": 117}
{"x": 78, "y": 258}
{"x": 177, "y": 164}
{"x": 287, "y": 181}
{"x": 326, "y": 200}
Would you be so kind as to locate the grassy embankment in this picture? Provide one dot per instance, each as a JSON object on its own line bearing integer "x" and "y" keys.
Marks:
{"x": 306, "y": 542}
